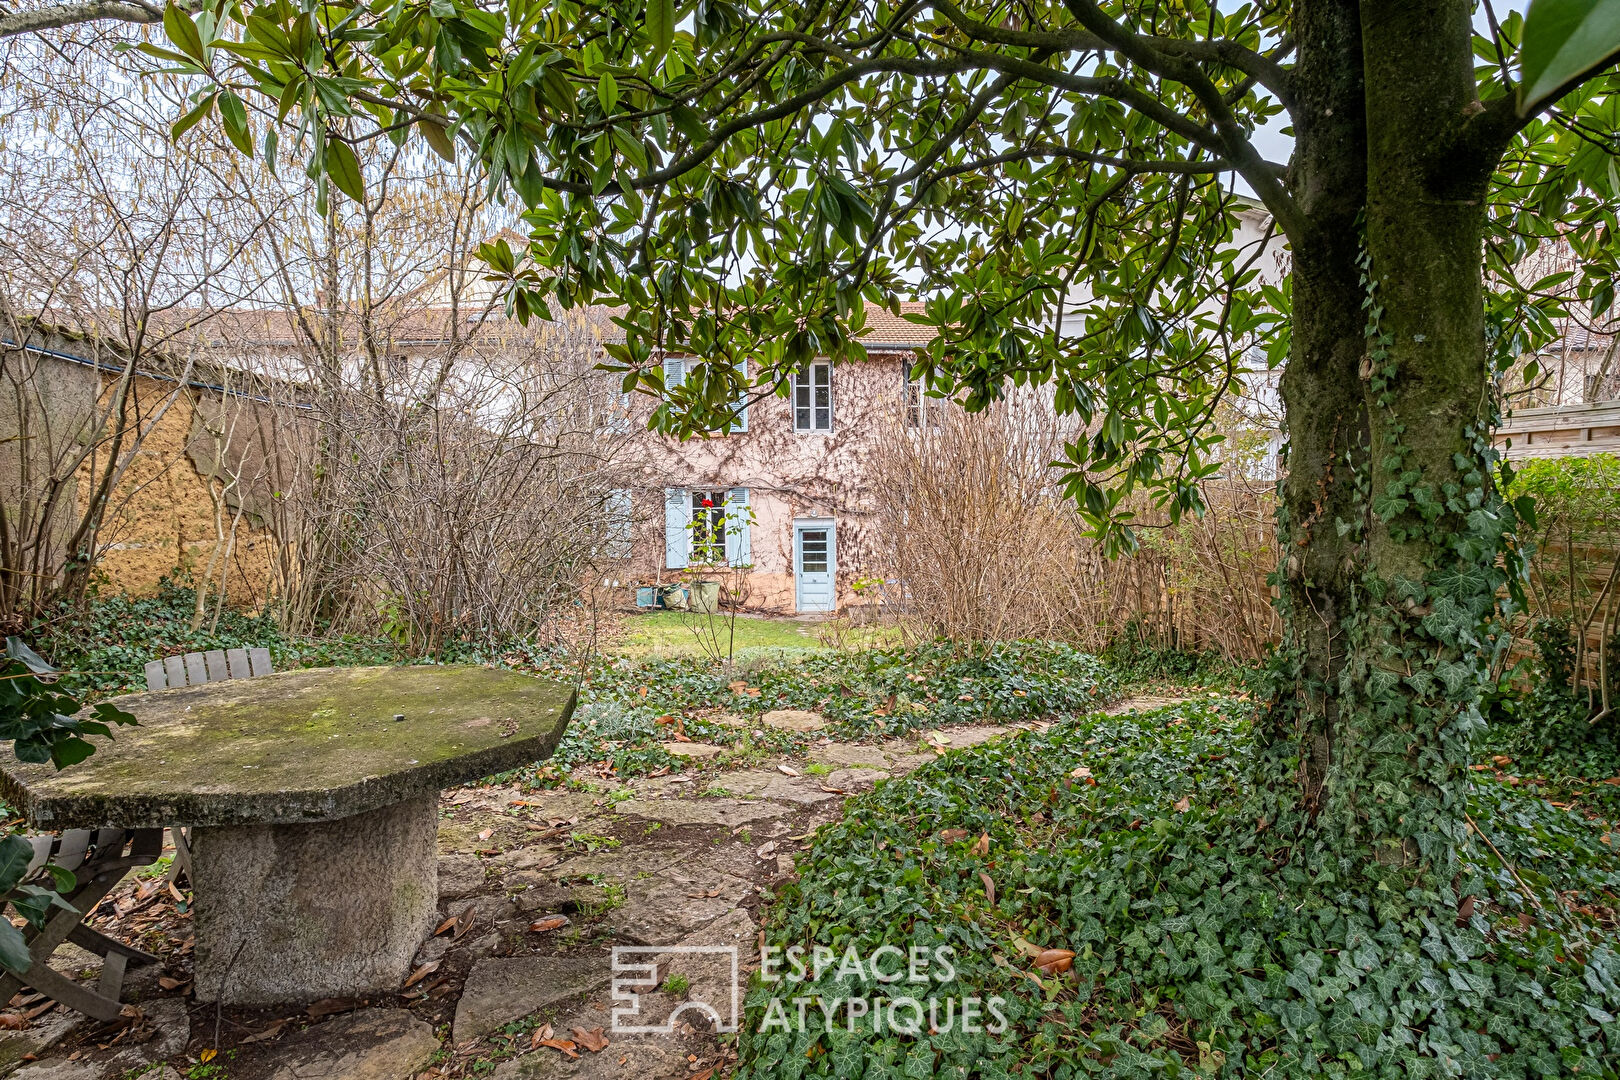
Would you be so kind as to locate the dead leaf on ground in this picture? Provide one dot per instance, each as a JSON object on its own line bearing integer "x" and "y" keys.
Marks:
{"x": 421, "y": 973}
{"x": 12, "y": 1021}
{"x": 1054, "y": 961}
{"x": 952, "y": 835}
{"x": 981, "y": 846}
{"x": 565, "y": 1045}
{"x": 541, "y": 1033}
{"x": 331, "y": 1007}
{"x": 169, "y": 982}
{"x": 1183, "y": 804}
{"x": 485, "y": 834}
{"x": 787, "y": 770}
{"x": 989, "y": 888}
{"x": 550, "y": 922}
{"x": 767, "y": 850}
{"x": 268, "y": 1033}
{"x": 591, "y": 1040}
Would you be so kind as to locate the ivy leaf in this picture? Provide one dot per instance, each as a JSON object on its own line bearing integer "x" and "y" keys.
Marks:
{"x": 15, "y": 855}
{"x": 344, "y": 168}
{"x": 13, "y": 949}
{"x": 1564, "y": 39}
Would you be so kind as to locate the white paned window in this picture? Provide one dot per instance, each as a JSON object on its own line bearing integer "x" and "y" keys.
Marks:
{"x": 812, "y": 397}
{"x": 708, "y": 519}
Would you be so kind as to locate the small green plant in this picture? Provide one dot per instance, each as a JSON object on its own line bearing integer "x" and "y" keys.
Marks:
{"x": 592, "y": 841}
{"x": 677, "y": 985}
{"x": 818, "y": 768}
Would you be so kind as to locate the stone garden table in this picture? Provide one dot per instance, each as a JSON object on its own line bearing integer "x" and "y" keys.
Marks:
{"x": 313, "y": 799}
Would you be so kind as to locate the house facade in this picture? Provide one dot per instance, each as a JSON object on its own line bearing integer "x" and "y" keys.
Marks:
{"x": 786, "y": 492}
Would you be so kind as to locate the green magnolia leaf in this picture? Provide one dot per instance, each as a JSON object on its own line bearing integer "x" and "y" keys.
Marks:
{"x": 183, "y": 32}
{"x": 15, "y": 855}
{"x": 660, "y": 26}
{"x": 191, "y": 119}
{"x": 13, "y": 949}
{"x": 344, "y": 169}
{"x": 438, "y": 137}
{"x": 234, "y": 117}
{"x": 607, "y": 91}
{"x": 1562, "y": 40}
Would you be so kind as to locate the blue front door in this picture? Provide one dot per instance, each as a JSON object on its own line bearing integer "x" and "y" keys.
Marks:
{"x": 815, "y": 565}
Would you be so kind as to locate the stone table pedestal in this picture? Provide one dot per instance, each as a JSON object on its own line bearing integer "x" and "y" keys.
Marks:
{"x": 330, "y": 909}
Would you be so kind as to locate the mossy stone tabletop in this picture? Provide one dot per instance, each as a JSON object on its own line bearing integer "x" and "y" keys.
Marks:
{"x": 300, "y": 746}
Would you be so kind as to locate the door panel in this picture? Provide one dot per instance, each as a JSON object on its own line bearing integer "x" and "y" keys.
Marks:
{"x": 815, "y": 565}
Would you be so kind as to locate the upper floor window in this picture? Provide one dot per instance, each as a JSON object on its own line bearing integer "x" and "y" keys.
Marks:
{"x": 675, "y": 375}
{"x": 812, "y": 397}
{"x": 916, "y": 402}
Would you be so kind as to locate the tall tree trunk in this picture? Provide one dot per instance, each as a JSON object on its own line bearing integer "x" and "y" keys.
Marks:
{"x": 1388, "y": 569}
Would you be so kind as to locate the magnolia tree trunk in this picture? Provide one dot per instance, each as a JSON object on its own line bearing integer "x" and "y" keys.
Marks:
{"x": 1387, "y": 519}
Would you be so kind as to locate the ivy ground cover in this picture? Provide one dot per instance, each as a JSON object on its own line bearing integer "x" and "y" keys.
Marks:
{"x": 1106, "y": 881}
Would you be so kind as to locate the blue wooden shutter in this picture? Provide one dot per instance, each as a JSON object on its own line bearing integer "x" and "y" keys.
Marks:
{"x": 739, "y": 546}
{"x": 677, "y": 537}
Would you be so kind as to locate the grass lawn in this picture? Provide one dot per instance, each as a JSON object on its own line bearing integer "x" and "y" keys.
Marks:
{"x": 671, "y": 633}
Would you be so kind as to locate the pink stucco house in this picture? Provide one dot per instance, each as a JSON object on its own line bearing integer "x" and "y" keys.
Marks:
{"x": 786, "y": 493}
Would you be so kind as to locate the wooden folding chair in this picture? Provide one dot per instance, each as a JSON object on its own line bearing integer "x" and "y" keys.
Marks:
{"x": 99, "y": 859}
{"x": 193, "y": 669}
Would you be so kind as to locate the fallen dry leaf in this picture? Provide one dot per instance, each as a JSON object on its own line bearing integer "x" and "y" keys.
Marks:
{"x": 767, "y": 850}
{"x": 564, "y": 1045}
{"x": 1054, "y": 961}
{"x": 464, "y": 921}
{"x": 787, "y": 770}
{"x": 331, "y": 1007}
{"x": 485, "y": 834}
{"x": 989, "y": 888}
{"x": 11, "y": 1021}
{"x": 550, "y": 922}
{"x": 953, "y": 835}
{"x": 1183, "y": 804}
{"x": 541, "y": 1034}
{"x": 591, "y": 1040}
{"x": 169, "y": 982}
{"x": 268, "y": 1033}
{"x": 421, "y": 973}
{"x": 981, "y": 846}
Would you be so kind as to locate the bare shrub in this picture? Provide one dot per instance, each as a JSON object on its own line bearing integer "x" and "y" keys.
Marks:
{"x": 984, "y": 547}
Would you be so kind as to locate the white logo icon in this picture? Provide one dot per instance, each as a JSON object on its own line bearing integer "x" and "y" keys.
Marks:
{"x": 640, "y": 964}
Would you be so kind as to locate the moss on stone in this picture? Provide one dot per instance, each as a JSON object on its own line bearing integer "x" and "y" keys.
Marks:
{"x": 299, "y": 746}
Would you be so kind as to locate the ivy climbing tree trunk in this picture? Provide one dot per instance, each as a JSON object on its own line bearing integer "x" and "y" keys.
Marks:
{"x": 1388, "y": 518}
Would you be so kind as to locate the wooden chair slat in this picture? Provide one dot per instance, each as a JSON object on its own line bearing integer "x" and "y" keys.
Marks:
{"x": 175, "y": 667}
{"x": 214, "y": 661}
{"x": 196, "y": 670}
{"x": 70, "y": 849}
{"x": 259, "y": 660}
{"x": 237, "y": 659}
{"x": 42, "y": 851}
{"x": 156, "y": 677}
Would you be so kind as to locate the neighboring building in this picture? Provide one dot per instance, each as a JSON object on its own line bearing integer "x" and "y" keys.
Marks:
{"x": 787, "y": 491}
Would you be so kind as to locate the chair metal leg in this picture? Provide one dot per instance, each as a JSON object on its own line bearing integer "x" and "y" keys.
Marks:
{"x": 182, "y": 857}
{"x": 59, "y": 987}
{"x": 112, "y": 976}
{"x": 88, "y": 937}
